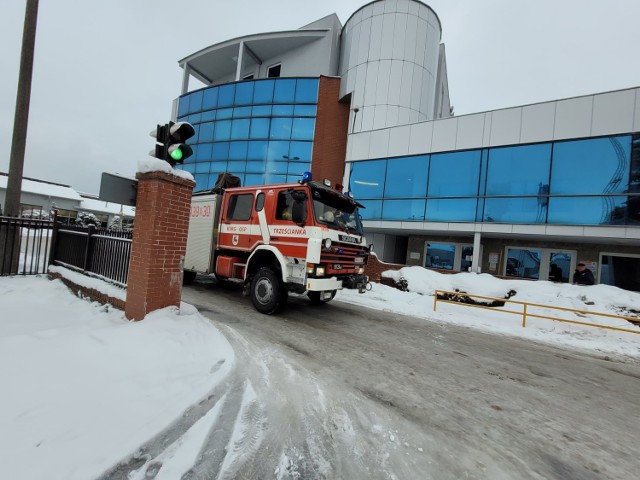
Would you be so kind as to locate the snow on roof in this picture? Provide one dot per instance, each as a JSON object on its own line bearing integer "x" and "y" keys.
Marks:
{"x": 95, "y": 205}
{"x": 44, "y": 188}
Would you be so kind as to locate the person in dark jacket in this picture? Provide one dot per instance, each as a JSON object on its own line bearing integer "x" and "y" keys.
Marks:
{"x": 583, "y": 275}
{"x": 555, "y": 273}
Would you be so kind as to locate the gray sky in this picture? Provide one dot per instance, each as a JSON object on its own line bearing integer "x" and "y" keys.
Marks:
{"x": 106, "y": 72}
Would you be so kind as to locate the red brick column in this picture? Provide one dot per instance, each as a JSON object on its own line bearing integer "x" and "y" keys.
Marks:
{"x": 159, "y": 243}
{"x": 330, "y": 137}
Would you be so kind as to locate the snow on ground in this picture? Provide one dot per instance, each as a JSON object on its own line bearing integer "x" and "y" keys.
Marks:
{"x": 82, "y": 387}
{"x": 419, "y": 302}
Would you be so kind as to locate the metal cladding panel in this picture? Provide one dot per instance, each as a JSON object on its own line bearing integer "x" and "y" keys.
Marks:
{"x": 201, "y": 236}
{"x": 537, "y": 122}
{"x": 613, "y": 113}
{"x": 573, "y": 118}
{"x": 470, "y": 131}
{"x": 505, "y": 126}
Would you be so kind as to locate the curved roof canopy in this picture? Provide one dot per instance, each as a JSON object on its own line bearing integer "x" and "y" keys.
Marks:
{"x": 220, "y": 60}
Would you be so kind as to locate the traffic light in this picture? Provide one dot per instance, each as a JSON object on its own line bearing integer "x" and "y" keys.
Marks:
{"x": 170, "y": 142}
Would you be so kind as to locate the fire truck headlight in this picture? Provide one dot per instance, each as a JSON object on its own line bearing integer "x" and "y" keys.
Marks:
{"x": 327, "y": 243}
{"x": 360, "y": 270}
{"x": 320, "y": 271}
{"x": 310, "y": 270}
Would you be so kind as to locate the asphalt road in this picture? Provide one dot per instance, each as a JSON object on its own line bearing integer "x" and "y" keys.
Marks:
{"x": 346, "y": 392}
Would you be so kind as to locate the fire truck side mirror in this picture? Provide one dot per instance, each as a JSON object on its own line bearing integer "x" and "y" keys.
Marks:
{"x": 299, "y": 208}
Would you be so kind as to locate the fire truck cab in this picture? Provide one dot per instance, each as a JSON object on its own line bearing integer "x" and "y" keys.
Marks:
{"x": 281, "y": 238}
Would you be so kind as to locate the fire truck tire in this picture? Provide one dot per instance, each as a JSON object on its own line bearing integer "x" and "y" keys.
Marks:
{"x": 316, "y": 300}
{"x": 188, "y": 277}
{"x": 268, "y": 294}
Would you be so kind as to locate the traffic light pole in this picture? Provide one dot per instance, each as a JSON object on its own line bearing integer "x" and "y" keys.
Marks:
{"x": 23, "y": 97}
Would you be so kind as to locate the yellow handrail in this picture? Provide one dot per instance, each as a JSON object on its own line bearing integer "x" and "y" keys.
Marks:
{"x": 526, "y": 314}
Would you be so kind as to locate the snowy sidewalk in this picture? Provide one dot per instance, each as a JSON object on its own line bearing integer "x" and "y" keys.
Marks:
{"x": 83, "y": 387}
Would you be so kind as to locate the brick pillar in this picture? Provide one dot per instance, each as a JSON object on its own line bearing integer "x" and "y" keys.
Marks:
{"x": 330, "y": 137}
{"x": 159, "y": 243}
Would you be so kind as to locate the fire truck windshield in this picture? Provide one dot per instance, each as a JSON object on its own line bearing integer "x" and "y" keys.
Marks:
{"x": 336, "y": 211}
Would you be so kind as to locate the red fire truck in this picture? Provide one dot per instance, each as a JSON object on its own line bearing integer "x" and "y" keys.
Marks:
{"x": 275, "y": 239}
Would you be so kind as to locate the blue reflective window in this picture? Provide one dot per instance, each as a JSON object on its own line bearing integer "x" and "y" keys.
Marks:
{"x": 255, "y": 167}
{"x": 210, "y": 98}
{"x": 257, "y": 150}
{"x": 263, "y": 91}
{"x": 202, "y": 180}
{"x": 454, "y": 174}
{"x": 224, "y": 113}
{"x": 183, "y": 105}
{"x": 515, "y": 210}
{"x": 523, "y": 263}
{"x": 261, "y": 111}
{"x": 240, "y": 129}
{"x": 241, "y": 112}
{"x": 207, "y": 116}
{"x": 298, "y": 168}
{"x": 587, "y": 210}
{"x": 188, "y": 167}
{"x": 273, "y": 178}
{"x": 195, "y": 149}
{"x": 307, "y": 90}
{"x": 303, "y": 128}
{"x": 281, "y": 128}
{"x": 367, "y": 179}
{"x": 222, "y": 130}
{"x": 206, "y": 132}
{"x": 276, "y": 167}
{"x": 226, "y": 94}
{"x": 282, "y": 111}
{"x": 203, "y": 152}
{"x": 213, "y": 177}
{"x": 260, "y": 128}
{"x": 236, "y": 167}
{"x": 305, "y": 110}
{"x": 412, "y": 210}
{"x": 407, "y": 177}
{"x": 522, "y": 170}
{"x": 372, "y": 210}
{"x": 300, "y": 151}
{"x": 594, "y": 166}
{"x": 244, "y": 93}
{"x": 238, "y": 151}
{"x": 220, "y": 151}
{"x": 202, "y": 167}
{"x": 278, "y": 151}
{"x": 195, "y": 102}
{"x": 195, "y": 118}
{"x": 440, "y": 255}
{"x": 252, "y": 179}
{"x": 293, "y": 178}
{"x": 284, "y": 91}
{"x": 218, "y": 167}
{"x": 196, "y": 134}
{"x": 451, "y": 210}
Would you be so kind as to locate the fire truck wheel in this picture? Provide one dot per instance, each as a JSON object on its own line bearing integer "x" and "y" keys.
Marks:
{"x": 316, "y": 299}
{"x": 267, "y": 291}
{"x": 188, "y": 277}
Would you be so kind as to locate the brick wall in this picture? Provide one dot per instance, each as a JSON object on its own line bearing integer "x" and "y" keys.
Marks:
{"x": 330, "y": 138}
{"x": 159, "y": 243}
{"x": 93, "y": 295}
{"x": 375, "y": 267}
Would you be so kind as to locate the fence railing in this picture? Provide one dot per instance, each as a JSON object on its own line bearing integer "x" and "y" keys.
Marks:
{"x": 24, "y": 245}
{"x": 439, "y": 296}
{"x": 99, "y": 252}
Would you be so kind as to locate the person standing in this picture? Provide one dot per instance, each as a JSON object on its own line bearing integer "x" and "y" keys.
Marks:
{"x": 555, "y": 273}
{"x": 583, "y": 275}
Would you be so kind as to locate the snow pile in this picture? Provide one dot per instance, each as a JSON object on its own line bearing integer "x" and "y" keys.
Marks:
{"x": 157, "y": 165}
{"x": 94, "y": 283}
{"x": 421, "y": 283}
{"x": 83, "y": 387}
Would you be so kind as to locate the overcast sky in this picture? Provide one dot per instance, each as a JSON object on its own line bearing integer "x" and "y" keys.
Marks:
{"x": 106, "y": 72}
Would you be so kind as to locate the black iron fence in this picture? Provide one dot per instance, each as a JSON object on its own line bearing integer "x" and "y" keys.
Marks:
{"x": 25, "y": 244}
{"x": 101, "y": 252}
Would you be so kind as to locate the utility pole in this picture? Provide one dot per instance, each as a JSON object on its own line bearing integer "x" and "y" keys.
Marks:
{"x": 21, "y": 119}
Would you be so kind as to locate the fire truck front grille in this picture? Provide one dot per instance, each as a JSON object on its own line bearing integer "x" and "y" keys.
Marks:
{"x": 343, "y": 259}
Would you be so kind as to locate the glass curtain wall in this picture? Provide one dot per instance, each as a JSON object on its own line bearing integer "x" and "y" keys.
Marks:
{"x": 579, "y": 182}
{"x": 259, "y": 130}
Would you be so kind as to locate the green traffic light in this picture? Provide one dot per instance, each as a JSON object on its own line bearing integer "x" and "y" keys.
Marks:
{"x": 176, "y": 154}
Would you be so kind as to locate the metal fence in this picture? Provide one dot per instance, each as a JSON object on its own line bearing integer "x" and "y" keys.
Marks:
{"x": 96, "y": 251}
{"x": 25, "y": 244}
